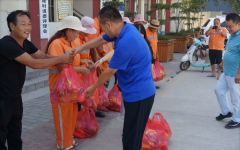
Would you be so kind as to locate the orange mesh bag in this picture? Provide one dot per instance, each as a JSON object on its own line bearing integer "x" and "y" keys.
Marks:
{"x": 156, "y": 134}
{"x": 68, "y": 88}
{"x": 93, "y": 101}
{"x": 158, "y": 71}
{"x": 115, "y": 98}
{"x": 86, "y": 125}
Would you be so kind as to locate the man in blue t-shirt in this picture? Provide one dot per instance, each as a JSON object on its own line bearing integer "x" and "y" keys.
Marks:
{"x": 131, "y": 62}
{"x": 230, "y": 79}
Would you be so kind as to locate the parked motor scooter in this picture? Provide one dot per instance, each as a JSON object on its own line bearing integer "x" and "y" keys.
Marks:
{"x": 196, "y": 56}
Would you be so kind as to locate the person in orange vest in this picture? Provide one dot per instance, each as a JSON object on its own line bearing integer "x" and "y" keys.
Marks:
{"x": 153, "y": 38}
{"x": 97, "y": 27}
{"x": 138, "y": 19}
{"x": 216, "y": 45}
{"x": 89, "y": 54}
{"x": 64, "y": 115}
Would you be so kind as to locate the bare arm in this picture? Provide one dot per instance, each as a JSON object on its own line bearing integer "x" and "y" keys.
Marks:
{"x": 107, "y": 57}
{"x": 94, "y": 54}
{"x": 208, "y": 31}
{"x": 237, "y": 77}
{"x": 223, "y": 33}
{"x": 40, "y": 55}
{"x": 29, "y": 61}
{"x": 96, "y": 42}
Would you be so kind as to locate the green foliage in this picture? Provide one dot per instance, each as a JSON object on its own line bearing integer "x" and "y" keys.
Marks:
{"x": 162, "y": 37}
{"x": 130, "y": 14}
{"x": 149, "y": 13}
{"x": 235, "y": 4}
{"x": 163, "y": 21}
{"x": 160, "y": 6}
{"x": 116, "y": 4}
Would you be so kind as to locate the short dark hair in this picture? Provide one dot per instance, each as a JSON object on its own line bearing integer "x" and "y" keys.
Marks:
{"x": 111, "y": 13}
{"x": 234, "y": 17}
{"x": 217, "y": 19}
{"x": 12, "y": 17}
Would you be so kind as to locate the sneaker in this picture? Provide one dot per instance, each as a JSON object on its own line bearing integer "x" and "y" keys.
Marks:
{"x": 231, "y": 125}
{"x": 221, "y": 117}
{"x": 157, "y": 87}
{"x": 74, "y": 144}
{"x": 69, "y": 148}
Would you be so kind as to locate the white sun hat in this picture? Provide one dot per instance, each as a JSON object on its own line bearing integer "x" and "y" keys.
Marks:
{"x": 88, "y": 23}
{"x": 72, "y": 22}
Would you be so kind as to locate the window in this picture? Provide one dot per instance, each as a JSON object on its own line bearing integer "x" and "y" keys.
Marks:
{"x": 223, "y": 24}
{"x": 206, "y": 23}
{"x": 51, "y": 10}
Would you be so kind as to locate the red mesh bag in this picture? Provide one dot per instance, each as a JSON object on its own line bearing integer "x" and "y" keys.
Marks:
{"x": 102, "y": 96}
{"x": 86, "y": 125}
{"x": 93, "y": 101}
{"x": 68, "y": 88}
{"x": 156, "y": 134}
{"x": 158, "y": 71}
{"x": 115, "y": 98}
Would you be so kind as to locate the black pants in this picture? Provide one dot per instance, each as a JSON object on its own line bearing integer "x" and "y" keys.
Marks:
{"x": 215, "y": 56}
{"x": 11, "y": 112}
{"x": 135, "y": 120}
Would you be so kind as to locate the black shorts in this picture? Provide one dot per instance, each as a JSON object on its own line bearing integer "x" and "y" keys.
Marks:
{"x": 215, "y": 56}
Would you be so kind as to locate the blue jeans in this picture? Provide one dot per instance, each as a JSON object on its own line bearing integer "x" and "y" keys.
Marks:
{"x": 227, "y": 83}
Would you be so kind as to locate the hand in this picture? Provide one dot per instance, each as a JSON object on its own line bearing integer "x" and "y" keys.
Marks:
{"x": 72, "y": 51}
{"x": 89, "y": 63}
{"x": 220, "y": 66}
{"x": 77, "y": 50}
{"x": 157, "y": 57}
{"x": 67, "y": 58}
{"x": 210, "y": 27}
{"x": 90, "y": 90}
{"x": 84, "y": 71}
{"x": 98, "y": 63}
{"x": 237, "y": 78}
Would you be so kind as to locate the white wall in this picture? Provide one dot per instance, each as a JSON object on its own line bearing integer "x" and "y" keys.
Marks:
{"x": 53, "y": 28}
{"x": 84, "y": 6}
{"x": 7, "y": 6}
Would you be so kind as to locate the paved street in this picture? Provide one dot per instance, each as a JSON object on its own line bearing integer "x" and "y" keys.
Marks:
{"x": 186, "y": 100}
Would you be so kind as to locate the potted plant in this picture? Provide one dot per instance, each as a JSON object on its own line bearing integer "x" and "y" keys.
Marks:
{"x": 165, "y": 48}
{"x": 116, "y": 4}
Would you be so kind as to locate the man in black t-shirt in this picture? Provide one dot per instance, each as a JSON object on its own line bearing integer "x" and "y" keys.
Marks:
{"x": 16, "y": 52}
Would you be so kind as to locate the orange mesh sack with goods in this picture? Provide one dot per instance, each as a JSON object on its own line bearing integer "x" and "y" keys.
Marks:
{"x": 93, "y": 101}
{"x": 158, "y": 71}
{"x": 86, "y": 125}
{"x": 102, "y": 96}
{"x": 156, "y": 134}
{"x": 115, "y": 98}
{"x": 68, "y": 88}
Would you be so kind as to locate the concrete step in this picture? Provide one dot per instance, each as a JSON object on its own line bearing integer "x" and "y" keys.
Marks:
{"x": 35, "y": 94}
{"x": 35, "y": 83}
{"x": 35, "y": 73}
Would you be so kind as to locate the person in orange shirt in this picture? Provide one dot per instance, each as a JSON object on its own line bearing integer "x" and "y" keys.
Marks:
{"x": 216, "y": 44}
{"x": 89, "y": 54}
{"x": 153, "y": 38}
{"x": 65, "y": 115}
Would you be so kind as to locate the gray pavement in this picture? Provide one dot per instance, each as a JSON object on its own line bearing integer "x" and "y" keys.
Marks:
{"x": 186, "y": 100}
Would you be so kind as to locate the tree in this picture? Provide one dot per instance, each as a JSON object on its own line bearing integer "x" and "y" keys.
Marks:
{"x": 161, "y": 9}
{"x": 116, "y": 4}
{"x": 195, "y": 7}
{"x": 235, "y": 4}
{"x": 178, "y": 19}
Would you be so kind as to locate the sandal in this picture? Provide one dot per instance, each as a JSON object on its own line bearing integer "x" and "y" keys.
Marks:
{"x": 100, "y": 114}
{"x": 211, "y": 75}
